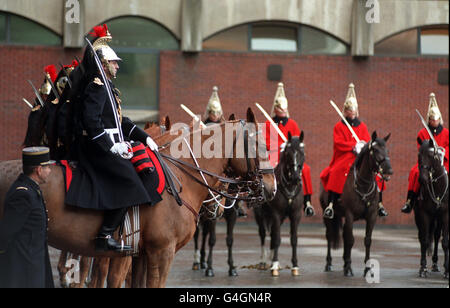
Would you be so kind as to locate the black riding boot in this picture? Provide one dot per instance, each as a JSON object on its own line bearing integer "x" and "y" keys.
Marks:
{"x": 410, "y": 200}
{"x": 105, "y": 240}
{"x": 309, "y": 210}
{"x": 381, "y": 210}
{"x": 332, "y": 200}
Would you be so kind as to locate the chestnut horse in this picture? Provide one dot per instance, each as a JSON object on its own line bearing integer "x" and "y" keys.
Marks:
{"x": 165, "y": 227}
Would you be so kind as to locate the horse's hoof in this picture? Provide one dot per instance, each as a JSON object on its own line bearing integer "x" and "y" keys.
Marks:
{"x": 209, "y": 272}
{"x": 348, "y": 272}
{"x": 262, "y": 266}
{"x": 232, "y": 272}
{"x": 328, "y": 268}
{"x": 423, "y": 273}
{"x": 435, "y": 268}
{"x": 295, "y": 271}
{"x": 275, "y": 273}
{"x": 203, "y": 265}
{"x": 195, "y": 266}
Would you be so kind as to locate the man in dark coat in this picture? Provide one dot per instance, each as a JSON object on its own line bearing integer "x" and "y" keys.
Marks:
{"x": 104, "y": 179}
{"x": 24, "y": 258}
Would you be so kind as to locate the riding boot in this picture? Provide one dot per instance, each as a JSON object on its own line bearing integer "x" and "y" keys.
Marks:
{"x": 410, "y": 199}
{"x": 104, "y": 240}
{"x": 381, "y": 210}
{"x": 332, "y": 199}
{"x": 309, "y": 210}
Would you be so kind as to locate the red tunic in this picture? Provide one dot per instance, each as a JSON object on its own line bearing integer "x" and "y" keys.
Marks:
{"x": 333, "y": 177}
{"x": 442, "y": 141}
{"x": 275, "y": 144}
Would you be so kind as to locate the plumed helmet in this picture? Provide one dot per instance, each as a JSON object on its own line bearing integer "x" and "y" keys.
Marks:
{"x": 50, "y": 71}
{"x": 214, "y": 106}
{"x": 350, "y": 101}
{"x": 100, "y": 44}
{"x": 433, "y": 110}
{"x": 280, "y": 100}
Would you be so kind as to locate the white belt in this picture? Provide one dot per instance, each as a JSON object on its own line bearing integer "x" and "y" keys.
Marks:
{"x": 111, "y": 132}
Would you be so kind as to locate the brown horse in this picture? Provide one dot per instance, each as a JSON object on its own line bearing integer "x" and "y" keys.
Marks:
{"x": 96, "y": 272}
{"x": 431, "y": 211}
{"x": 358, "y": 201}
{"x": 165, "y": 227}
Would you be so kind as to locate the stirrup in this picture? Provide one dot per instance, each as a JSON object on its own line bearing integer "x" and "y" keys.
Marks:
{"x": 328, "y": 213}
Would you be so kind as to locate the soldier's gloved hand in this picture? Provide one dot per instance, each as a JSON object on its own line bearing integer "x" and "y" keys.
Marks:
{"x": 152, "y": 144}
{"x": 119, "y": 149}
{"x": 358, "y": 147}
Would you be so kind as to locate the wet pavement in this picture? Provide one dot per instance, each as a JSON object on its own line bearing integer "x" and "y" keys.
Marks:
{"x": 395, "y": 248}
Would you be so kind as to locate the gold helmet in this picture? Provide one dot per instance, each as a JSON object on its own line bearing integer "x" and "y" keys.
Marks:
{"x": 214, "y": 105}
{"x": 280, "y": 100}
{"x": 350, "y": 101}
{"x": 433, "y": 110}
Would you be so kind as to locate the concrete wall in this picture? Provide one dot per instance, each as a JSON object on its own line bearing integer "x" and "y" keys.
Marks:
{"x": 211, "y": 16}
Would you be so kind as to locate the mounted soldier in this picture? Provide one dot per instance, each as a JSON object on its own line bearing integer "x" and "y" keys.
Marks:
{"x": 214, "y": 115}
{"x": 441, "y": 135}
{"x": 105, "y": 179}
{"x": 345, "y": 150}
{"x": 280, "y": 115}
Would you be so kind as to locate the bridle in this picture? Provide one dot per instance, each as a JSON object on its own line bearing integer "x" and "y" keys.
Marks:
{"x": 379, "y": 169}
{"x": 437, "y": 199}
{"x": 250, "y": 188}
{"x": 286, "y": 182}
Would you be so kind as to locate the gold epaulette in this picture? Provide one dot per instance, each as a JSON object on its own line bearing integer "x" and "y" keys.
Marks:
{"x": 21, "y": 188}
{"x": 98, "y": 81}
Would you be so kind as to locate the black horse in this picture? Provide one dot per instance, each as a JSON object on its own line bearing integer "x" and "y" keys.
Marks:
{"x": 288, "y": 202}
{"x": 207, "y": 225}
{"x": 431, "y": 212}
{"x": 358, "y": 201}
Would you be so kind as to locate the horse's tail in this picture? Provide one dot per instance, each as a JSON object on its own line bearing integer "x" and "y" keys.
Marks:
{"x": 336, "y": 226}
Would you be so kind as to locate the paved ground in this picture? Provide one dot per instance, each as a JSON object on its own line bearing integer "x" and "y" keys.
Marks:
{"x": 396, "y": 250}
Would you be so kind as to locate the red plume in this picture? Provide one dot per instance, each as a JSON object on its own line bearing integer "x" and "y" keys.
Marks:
{"x": 99, "y": 31}
{"x": 51, "y": 70}
{"x": 73, "y": 64}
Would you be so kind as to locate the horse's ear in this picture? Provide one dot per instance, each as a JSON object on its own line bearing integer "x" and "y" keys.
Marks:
{"x": 232, "y": 117}
{"x": 147, "y": 125}
{"x": 250, "y": 116}
{"x": 374, "y": 135}
{"x": 302, "y": 135}
{"x": 289, "y": 137}
{"x": 387, "y": 137}
{"x": 419, "y": 141}
{"x": 167, "y": 123}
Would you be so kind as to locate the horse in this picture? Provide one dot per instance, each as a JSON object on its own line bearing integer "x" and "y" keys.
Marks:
{"x": 288, "y": 202}
{"x": 165, "y": 227}
{"x": 358, "y": 201}
{"x": 208, "y": 226}
{"x": 431, "y": 211}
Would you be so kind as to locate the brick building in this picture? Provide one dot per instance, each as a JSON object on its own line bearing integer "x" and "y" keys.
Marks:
{"x": 395, "y": 52}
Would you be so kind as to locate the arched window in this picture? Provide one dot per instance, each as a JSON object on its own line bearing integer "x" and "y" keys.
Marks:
{"x": 277, "y": 37}
{"x": 17, "y": 30}
{"x": 430, "y": 40}
{"x": 138, "y": 42}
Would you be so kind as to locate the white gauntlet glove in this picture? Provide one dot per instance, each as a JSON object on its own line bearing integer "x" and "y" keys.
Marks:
{"x": 358, "y": 147}
{"x": 119, "y": 149}
{"x": 152, "y": 144}
{"x": 283, "y": 146}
